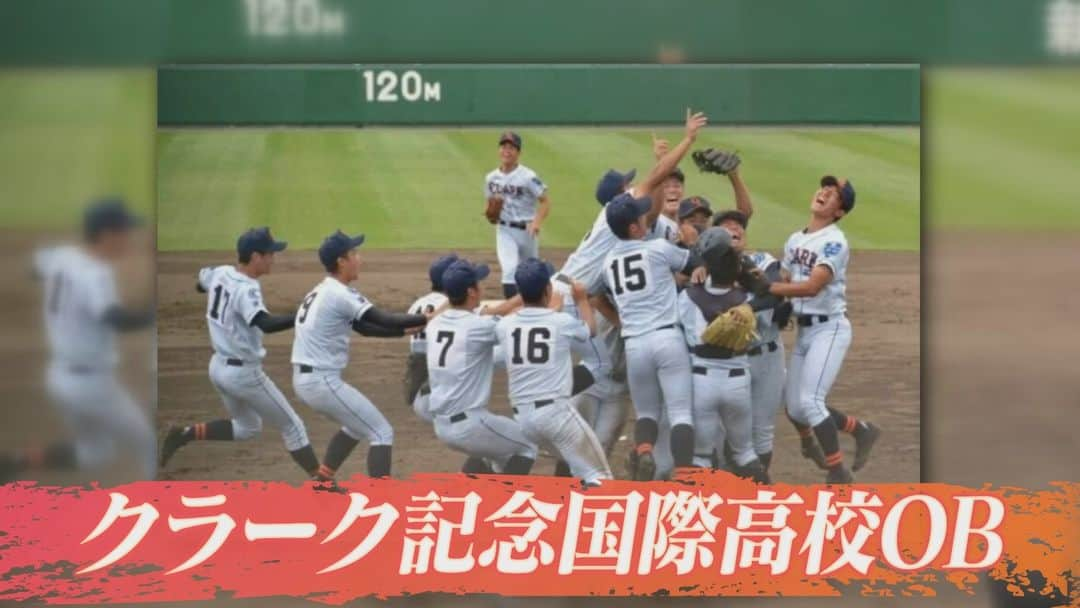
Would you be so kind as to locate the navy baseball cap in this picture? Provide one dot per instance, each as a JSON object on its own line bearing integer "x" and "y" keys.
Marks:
{"x": 108, "y": 214}
{"x": 692, "y": 205}
{"x": 335, "y": 246}
{"x": 847, "y": 192}
{"x": 509, "y": 137}
{"x": 532, "y": 277}
{"x": 438, "y": 267}
{"x": 733, "y": 215}
{"x": 678, "y": 174}
{"x": 258, "y": 240}
{"x": 624, "y": 210}
{"x": 461, "y": 275}
{"x": 613, "y": 184}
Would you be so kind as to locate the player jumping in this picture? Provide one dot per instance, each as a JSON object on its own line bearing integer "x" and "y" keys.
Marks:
{"x": 321, "y": 351}
{"x": 237, "y": 319}
{"x": 815, "y": 264}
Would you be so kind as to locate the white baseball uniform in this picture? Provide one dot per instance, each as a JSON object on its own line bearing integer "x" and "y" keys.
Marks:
{"x": 767, "y": 370}
{"x": 250, "y": 396}
{"x": 664, "y": 228}
{"x": 639, "y": 275}
{"x": 425, "y": 304}
{"x": 460, "y": 358}
{"x": 537, "y": 344}
{"x": 321, "y": 351}
{"x": 721, "y": 384}
{"x": 821, "y": 346}
{"x": 81, "y": 375}
{"x": 520, "y": 190}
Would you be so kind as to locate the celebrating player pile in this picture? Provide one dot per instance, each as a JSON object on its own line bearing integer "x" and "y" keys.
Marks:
{"x": 690, "y": 323}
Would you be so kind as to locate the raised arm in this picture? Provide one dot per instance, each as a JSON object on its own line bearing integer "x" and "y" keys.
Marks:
{"x": 742, "y": 194}
{"x": 667, "y": 163}
{"x": 581, "y": 300}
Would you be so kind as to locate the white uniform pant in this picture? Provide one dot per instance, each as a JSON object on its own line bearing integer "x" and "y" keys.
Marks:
{"x": 325, "y": 392}
{"x": 102, "y": 416}
{"x": 658, "y": 372}
{"x": 815, "y": 363}
{"x": 561, "y": 428}
{"x": 513, "y": 245}
{"x": 251, "y": 397}
{"x": 484, "y": 434}
{"x": 767, "y": 377}
{"x": 722, "y": 411}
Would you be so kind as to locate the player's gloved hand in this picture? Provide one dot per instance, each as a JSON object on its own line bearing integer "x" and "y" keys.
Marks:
{"x": 751, "y": 277}
{"x": 494, "y": 209}
{"x": 711, "y": 160}
{"x": 736, "y": 329}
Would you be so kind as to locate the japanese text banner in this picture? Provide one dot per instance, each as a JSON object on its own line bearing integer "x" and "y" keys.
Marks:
{"x": 704, "y": 534}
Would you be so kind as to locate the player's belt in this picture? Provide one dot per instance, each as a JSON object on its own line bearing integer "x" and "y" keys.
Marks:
{"x": 518, "y": 225}
{"x": 235, "y": 362}
{"x": 808, "y": 320}
{"x": 306, "y": 369}
{"x": 757, "y": 350}
{"x": 538, "y": 404}
{"x": 732, "y": 373}
{"x": 458, "y": 417}
{"x": 661, "y": 328}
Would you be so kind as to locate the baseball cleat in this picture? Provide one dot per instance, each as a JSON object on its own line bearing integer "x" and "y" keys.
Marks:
{"x": 174, "y": 440}
{"x": 812, "y": 451}
{"x": 646, "y": 468}
{"x": 632, "y": 464}
{"x": 864, "y": 442}
{"x": 839, "y": 475}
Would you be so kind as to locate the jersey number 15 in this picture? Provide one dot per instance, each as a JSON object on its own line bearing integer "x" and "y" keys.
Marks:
{"x": 627, "y": 274}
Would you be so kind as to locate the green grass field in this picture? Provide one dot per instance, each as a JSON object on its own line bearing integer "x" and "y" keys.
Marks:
{"x": 422, "y": 188}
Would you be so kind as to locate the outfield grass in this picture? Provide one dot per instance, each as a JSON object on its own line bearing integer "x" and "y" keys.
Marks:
{"x": 422, "y": 188}
{"x": 1003, "y": 148}
{"x": 69, "y": 136}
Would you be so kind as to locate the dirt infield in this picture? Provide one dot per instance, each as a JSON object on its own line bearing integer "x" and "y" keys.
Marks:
{"x": 880, "y": 379}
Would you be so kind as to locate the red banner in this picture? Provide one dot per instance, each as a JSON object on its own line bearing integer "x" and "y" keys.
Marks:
{"x": 703, "y": 534}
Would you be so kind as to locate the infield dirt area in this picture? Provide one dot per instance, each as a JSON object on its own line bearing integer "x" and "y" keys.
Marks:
{"x": 880, "y": 380}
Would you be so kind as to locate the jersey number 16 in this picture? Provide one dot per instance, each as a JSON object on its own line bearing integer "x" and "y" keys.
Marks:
{"x": 538, "y": 347}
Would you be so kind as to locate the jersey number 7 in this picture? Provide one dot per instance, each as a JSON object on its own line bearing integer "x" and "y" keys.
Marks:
{"x": 448, "y": 337}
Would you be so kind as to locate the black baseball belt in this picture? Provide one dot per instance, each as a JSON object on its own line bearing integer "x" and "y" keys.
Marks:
{"x": 808, "y": 320}
{"x": 731, "y": 373}
{"x": 518, "y": 225}
{"x": 538, "y": 404}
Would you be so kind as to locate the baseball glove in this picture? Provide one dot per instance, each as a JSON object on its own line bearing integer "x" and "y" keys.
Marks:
{"x": 735, "y": 329}
{"x": 494, "y": 209}
{"x": 711, "y": 160}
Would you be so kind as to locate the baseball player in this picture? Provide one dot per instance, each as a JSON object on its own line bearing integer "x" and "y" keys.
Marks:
{"x": 815, "y": 262}
{"x": 537, "y": 343}
{"x": 694, "y": 214}
{"x": 237, "y": 318}
{"x": 321, "y": 351}
{"x": 523, "y": 204}
{"x": 417, "y": 389}
{"x": 639, "y": 275}
{"x": 767, "y": 371}
{"x": 721, "y": 375}
{"x": 83, "y": 314}
{"x": 460, "y": 358}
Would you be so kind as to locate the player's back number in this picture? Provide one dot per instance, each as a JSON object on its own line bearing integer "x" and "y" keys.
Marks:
{"x": 533, "y": 346}
{"x": 627, "y": 273}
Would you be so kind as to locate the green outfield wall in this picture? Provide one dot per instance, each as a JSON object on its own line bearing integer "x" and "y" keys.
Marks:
{"x": 536, "y": 94}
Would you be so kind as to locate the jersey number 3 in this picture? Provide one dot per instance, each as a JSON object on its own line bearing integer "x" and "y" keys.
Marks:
{"x": 305, "y": 306}
{"x": 627, "y": 274}
{"x": 538, "y": 348}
